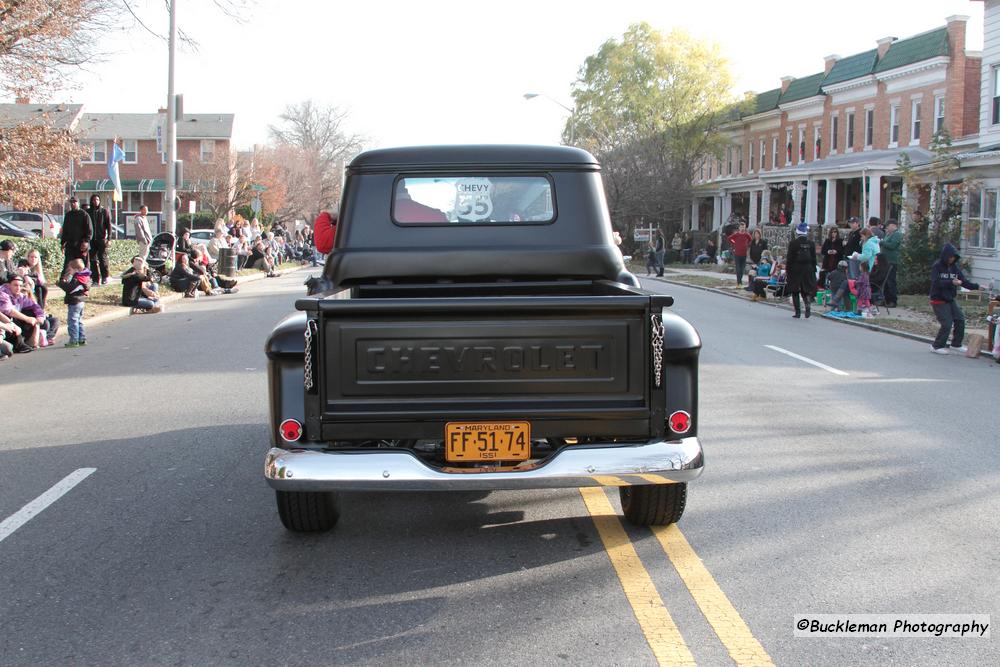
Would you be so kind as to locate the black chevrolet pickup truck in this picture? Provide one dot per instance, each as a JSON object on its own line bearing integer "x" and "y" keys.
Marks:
{"x": 475, "y": 328}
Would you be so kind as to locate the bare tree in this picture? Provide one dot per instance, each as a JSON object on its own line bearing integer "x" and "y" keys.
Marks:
{"x": 40, "y": 39}
{"x": 323, "y": 145}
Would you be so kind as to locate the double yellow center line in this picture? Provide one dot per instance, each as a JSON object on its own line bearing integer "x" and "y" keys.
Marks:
{"x": 662, "y": 634}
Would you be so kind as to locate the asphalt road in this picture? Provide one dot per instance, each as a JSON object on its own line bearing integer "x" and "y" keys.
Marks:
{"x": 872, "y": 491}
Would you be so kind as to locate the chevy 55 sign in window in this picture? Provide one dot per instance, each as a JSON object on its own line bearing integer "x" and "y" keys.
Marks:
{"x": 427, "y": 200}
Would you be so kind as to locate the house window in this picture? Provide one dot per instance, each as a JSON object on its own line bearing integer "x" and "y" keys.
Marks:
{"x": 981, "y": 223}
{"x": 869, "y": 127}
{"x": 894, "y": 125}
{"x": 729, "y": 161}
{"x": 938, "y": 113}
{"x": 750, "y": 155}
{"x": 763, "y": 155}
{"x": 98, "y": 151}
{"x": 788, "y": 147}
{"x": 817, "y": 133}
{"x": 774, "y": 152}
{"x": 802, "y": 144}
{"x": 834, "y": 130}
{"x": 740, "y": 159}
{"x": 988, "y": 230}
{"x": 850, "y": 132}
{"x": 915, "y": 122}
{"x": 130, "y": 146}
{"x": 996, "y": 96}
{"x": 710, "y": 170}
{"x": 208, "y": 150}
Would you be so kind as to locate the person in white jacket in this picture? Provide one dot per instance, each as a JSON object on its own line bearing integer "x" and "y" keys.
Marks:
{"x": 142, "y": 234}
{"x": 218, "y": 242}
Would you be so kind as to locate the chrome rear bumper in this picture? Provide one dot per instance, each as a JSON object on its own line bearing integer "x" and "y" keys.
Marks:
{"x": 609, "y": 464}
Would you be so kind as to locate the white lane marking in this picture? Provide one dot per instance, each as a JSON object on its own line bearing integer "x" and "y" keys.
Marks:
{"x": 35, "y": 507}
{"x": 806, "y": 359}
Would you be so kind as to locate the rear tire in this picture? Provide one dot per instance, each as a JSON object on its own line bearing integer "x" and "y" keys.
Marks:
{"x": 653, "y": 504}
{"x": 308, "y": 511}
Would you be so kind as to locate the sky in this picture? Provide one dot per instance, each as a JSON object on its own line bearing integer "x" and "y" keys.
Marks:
{"x": 445, "y": 72}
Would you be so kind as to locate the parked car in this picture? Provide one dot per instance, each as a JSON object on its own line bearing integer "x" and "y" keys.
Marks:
{"x": 10, "y": 229}
{"x": 463, "y": 336}
{"x": 202, "y": 236}
{"x": 42, "y": 224}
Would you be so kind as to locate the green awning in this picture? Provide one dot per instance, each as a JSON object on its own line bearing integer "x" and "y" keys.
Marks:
{"x": 136, "y": 185}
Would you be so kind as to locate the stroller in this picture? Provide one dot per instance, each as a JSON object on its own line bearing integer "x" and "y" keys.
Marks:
{"x": 161, "y": 250}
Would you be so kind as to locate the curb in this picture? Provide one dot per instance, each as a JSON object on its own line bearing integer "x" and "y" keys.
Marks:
{"x": 864, "y": 325}
{"x": 124, "y": 312}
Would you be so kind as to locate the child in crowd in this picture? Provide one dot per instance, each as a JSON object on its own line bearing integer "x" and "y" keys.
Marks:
{"x": 864, "y": 287}
{"x": 76, "y": 283}
{"x": 762, "y": 277}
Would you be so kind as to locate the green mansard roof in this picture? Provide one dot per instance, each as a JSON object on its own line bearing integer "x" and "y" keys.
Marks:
{"x": 914, "y": 49}
{"x": 852, "y": 67}
{"x": 802, "y": 88}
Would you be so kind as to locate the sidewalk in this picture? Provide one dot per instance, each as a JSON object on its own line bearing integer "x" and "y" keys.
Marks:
{"x": 732, "y": 290}
{"x": 176, "y": 296}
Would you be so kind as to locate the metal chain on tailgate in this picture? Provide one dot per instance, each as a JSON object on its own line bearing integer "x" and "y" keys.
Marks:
{"x": 656, "y": 343}
{"x": 311, "y": 329}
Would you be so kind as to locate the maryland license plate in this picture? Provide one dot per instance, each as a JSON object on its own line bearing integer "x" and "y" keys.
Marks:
{"x": 487, "y": 441}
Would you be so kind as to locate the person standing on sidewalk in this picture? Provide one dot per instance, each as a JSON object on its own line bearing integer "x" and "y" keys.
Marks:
{"x": 740, "y": 241}
{"x": 891, "y": 246}
{"x": 875, "y": 224}
{"x": 75, "y": 233}
{"x": 75, "y": 281}
{"x": 853, "y": 245}
{"x": 832, "y": 253}
{"x": 946, "y": 278}
{"x": 661, "y": 249}
{"x": 142, "y": 234}
{"x": 687, "y": 245}
{"x": 100, "y": 221}
{"x": 800, "y": 261}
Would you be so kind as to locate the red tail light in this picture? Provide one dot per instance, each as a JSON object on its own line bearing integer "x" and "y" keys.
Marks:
{"x": 680, "y": 422}
{"x": 290, "y": 430}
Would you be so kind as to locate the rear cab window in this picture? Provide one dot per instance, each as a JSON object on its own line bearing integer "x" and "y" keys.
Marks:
{"x": 473, "y": 199}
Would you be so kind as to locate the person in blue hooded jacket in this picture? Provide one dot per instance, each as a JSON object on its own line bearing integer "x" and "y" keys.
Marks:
{"x": 946, "y": 278}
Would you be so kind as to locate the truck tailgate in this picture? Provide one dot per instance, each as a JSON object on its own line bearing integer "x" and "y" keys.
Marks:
{"x": 401, "y": 368}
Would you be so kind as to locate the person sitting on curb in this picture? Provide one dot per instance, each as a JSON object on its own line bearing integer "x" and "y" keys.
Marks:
{"x": 199, "y": 264}
{"x": 10, "y": 333}
{"x": 184, "y": 242}
{"x": 838, "y": 286}
{"x": 138, "y": 291}
{"x": 217, "y": 243}
{"x": 262, "y": 259}
{"x": 185, "y": 279}
{"x": 8, "y": 267}
{"x": 946, "y": 278}
{"x": 22, "y": 311}
{"x": 707, "y": 255}
{"x": 762, "y": 277}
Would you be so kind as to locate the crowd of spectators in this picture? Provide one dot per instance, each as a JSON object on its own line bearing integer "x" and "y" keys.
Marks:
{"x": 25, "y": 325}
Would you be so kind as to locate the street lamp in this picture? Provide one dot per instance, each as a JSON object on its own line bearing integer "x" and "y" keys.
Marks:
{"x": 572, "y": 122}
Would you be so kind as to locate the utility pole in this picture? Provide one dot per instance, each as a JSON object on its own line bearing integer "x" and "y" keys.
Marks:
{"x": 170, "y": 190}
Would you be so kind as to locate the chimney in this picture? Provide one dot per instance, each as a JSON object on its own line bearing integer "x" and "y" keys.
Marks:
{"x": 883, "y": 46}
{"x": 956, "y": 33}
{"x": 785, "y": 82}
{"x": 22, "y": 100}
{"x": 829, "y": 62}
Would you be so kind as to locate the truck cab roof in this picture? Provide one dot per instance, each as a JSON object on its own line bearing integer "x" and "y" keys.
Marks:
{"x": 472, "y": 213}
{"x": 484, "y": 156}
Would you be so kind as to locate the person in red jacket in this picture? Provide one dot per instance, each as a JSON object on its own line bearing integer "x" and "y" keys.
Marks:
{"x": 740, "y": 241}
{"x": 324, "y": 231}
